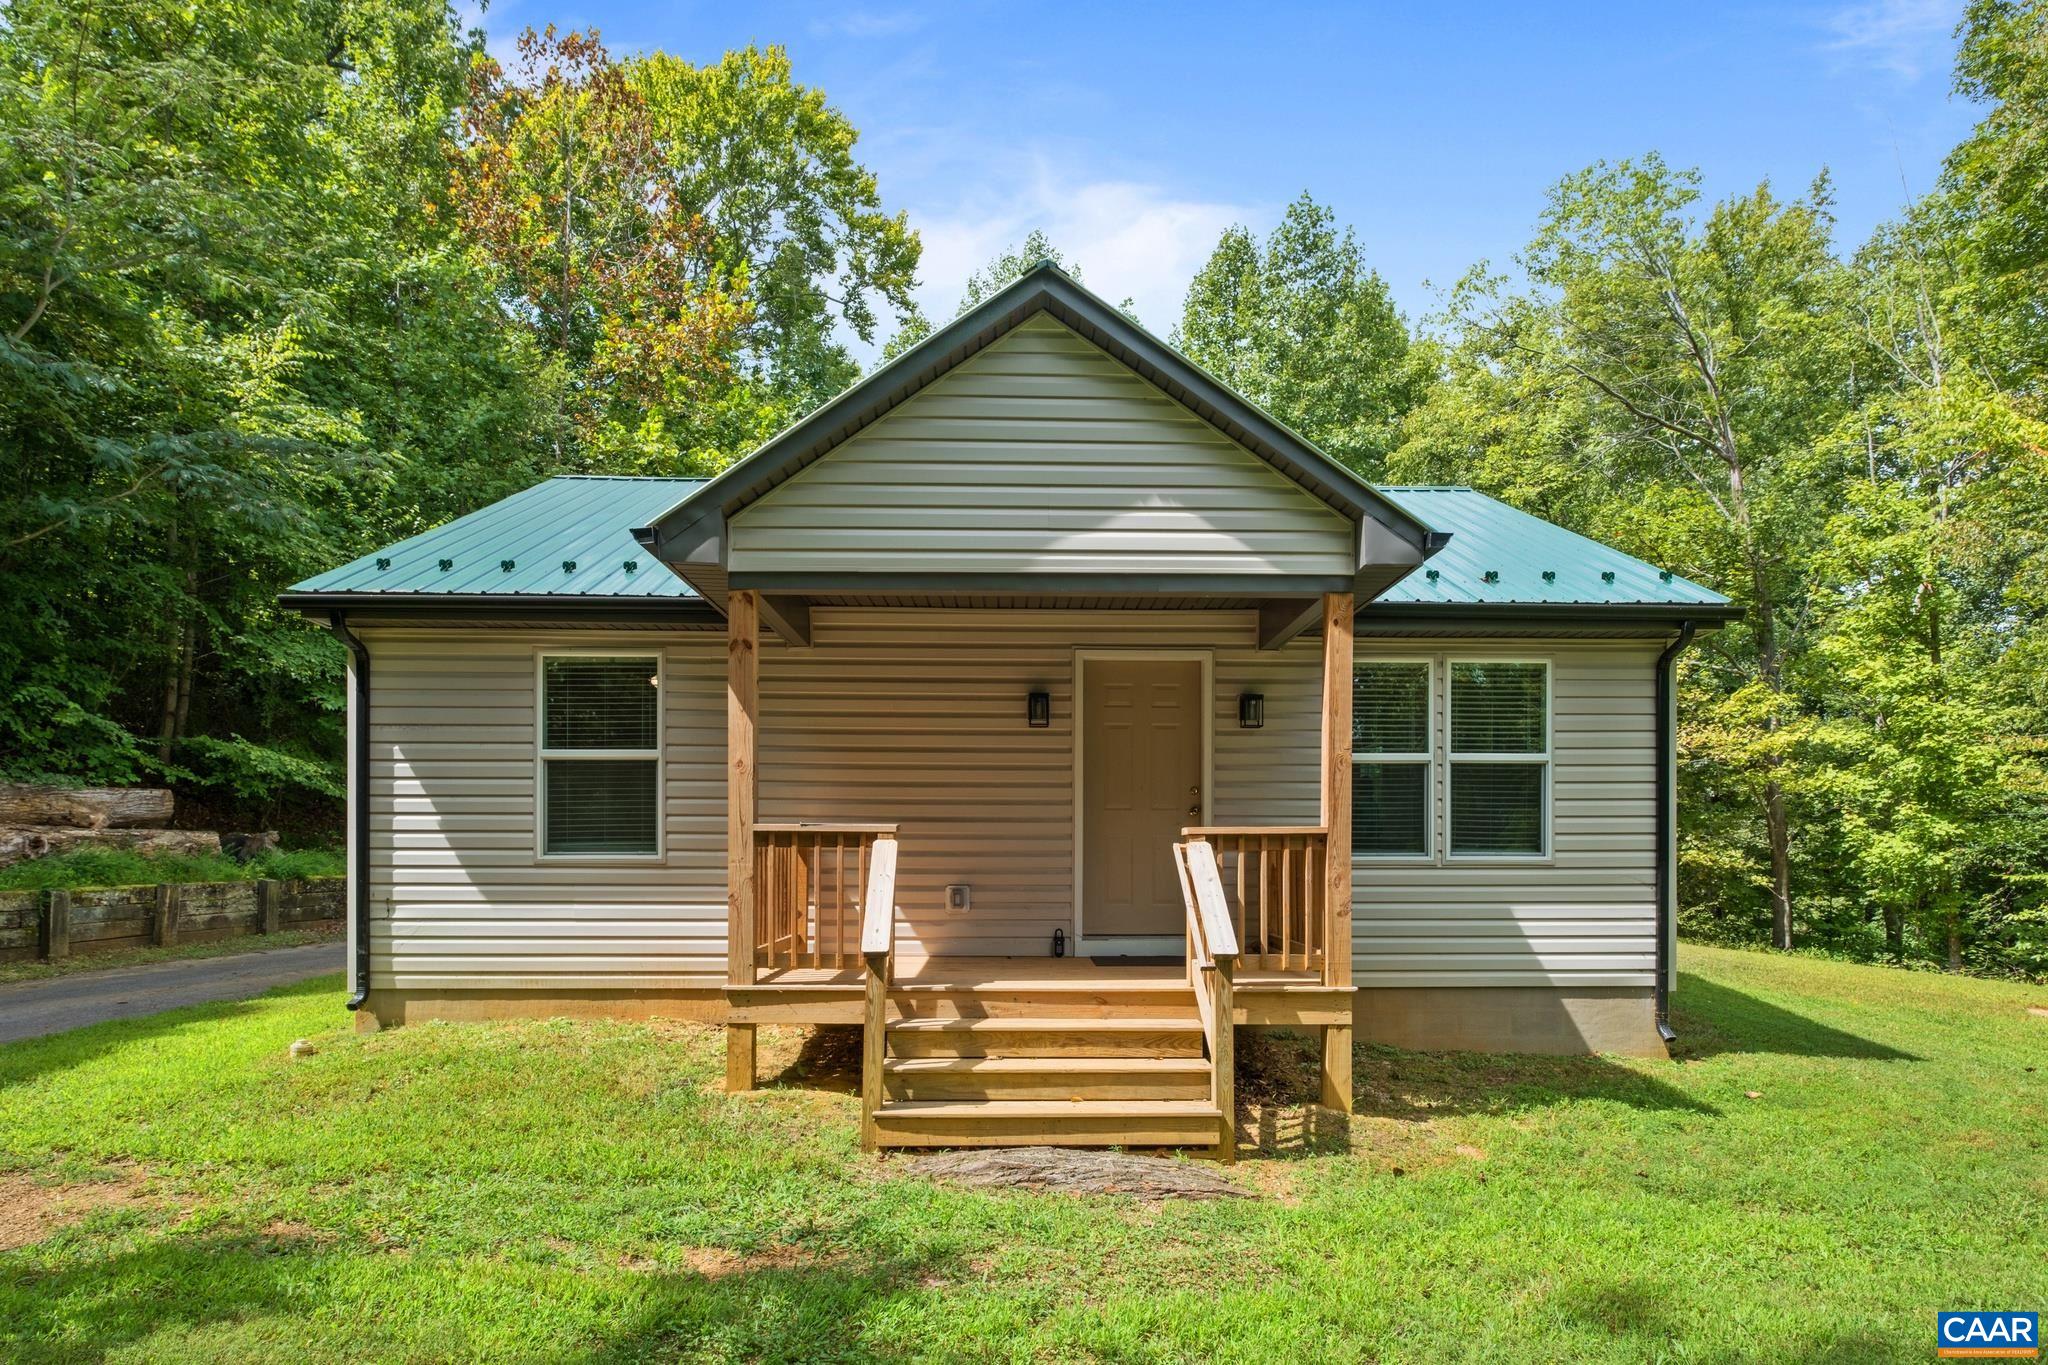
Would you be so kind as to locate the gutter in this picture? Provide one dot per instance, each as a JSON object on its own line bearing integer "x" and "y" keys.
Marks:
{"x": 524, "y": 606}
{"x": 359, "y": 805}
{"x": 1667, "y": 822}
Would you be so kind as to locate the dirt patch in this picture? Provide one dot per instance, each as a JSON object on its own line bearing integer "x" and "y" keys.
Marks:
{"x": 1062, "y": 1170}
{"x": 826, "y": 1057}
{"x": 715, "y": 1263}
{"x": 31, "y": 1210}
{"x": 284, "y": 1230}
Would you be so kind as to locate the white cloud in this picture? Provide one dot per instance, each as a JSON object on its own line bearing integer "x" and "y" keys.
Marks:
{"x": 1130, "y": 239}
{"x": 868, "y": 24}
{"x": 1907, "y": 38}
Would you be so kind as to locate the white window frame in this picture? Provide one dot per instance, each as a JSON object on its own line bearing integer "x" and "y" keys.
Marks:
{"x": 1425, "y": 758}
{"x": 542, "y": 756}
{"x": 1547, "y": 801}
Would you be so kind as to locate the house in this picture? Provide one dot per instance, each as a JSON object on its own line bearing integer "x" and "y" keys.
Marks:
{"x": 1041, "y": 705}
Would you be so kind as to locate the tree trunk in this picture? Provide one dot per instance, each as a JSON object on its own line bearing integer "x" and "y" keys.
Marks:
{"x": 1779, "y": 831}
{"x": 167, "y": 713}
{"x": 23, "y": 842}
{"x": 1895, "y": 931}
{"x": 1777, "y": 826}
{"x": 1955, "y": 944}
{"x": 189, "y": 654}
{"x": 84, "y": 807}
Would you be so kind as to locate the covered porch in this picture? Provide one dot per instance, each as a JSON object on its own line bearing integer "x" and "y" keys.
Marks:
{"x": 1129, "y": 1042}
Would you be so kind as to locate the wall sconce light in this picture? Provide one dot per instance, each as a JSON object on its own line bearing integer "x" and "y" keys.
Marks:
{"x": 1251, "y": 710}
{"x": 1038, "y": 710}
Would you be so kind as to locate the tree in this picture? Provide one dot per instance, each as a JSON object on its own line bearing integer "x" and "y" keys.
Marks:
{"x": 565, "y": 190}
{"x": 1711, "y": 355}
{"x": 240, "y": 331}
{"x": 1304, "y": 328}
{"x": 693, "y": 244}
{"x": 1005, "y": 268}
{"x": 770, "y": 168}
{"x": 1988, "y": 205}
{"x": 1926, "y": 739}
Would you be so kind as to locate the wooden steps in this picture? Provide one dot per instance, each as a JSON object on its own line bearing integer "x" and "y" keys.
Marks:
{"x": 1046, "y": 1078}
{"x": 1094, "y": 1063}
{"x": 1028, "y": 1123}
{"x": 1135, "y": 1036}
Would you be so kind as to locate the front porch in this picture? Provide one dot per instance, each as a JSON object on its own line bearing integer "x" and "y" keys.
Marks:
{"x": 985, "y": 1050}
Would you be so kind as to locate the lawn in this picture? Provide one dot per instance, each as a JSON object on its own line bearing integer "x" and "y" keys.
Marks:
{"x": 1838, "y": 1152}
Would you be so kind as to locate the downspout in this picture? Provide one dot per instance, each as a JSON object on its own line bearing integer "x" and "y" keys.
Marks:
{"x": 1667, "y": 823}
{"x": 359, "y": 806}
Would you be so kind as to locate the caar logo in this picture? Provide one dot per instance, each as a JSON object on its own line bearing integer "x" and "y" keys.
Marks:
{"x": 1988, "y": 1334}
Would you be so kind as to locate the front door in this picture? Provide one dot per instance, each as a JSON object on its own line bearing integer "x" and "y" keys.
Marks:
{"x": 1141, "y": 781}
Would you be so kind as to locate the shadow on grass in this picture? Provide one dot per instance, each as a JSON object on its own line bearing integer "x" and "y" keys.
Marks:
{"x": 775, "y": 1307}
{"x": 1278, "y": 1089}
{"x": 87, "y": 1307}
{"x": 814, "y": 1312}
{"x": 1650, "y": 1315}
{"x": 827, "y": 1058}
{"x": 1388, "y": 1083}
{"x": 26, "y": 1059}
{"x": 1712, "y": 1019}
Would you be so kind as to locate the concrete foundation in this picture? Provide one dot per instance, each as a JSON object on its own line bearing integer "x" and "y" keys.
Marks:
{"x": 1563, "y": 1020}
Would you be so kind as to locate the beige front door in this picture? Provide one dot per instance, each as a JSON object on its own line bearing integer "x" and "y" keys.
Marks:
{"x": 1141, "y": 780}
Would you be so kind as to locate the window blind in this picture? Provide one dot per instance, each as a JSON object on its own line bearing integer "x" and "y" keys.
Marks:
{"x": 602, "y": 805}
{"x": 1389, "y": 805}
{"x": 1390, "y": 708}
{"x": 1497, "y": 808}
{"x": 1389, "y": 794}
{"x": 1497, "y": 708}
{"x": 600, "y": 703}
{"x": 1500, "y": 762}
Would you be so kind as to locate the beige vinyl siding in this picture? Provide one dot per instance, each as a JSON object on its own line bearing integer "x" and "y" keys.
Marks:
{"x": 459, "y": 899}
{"x": 1585, "y": 915}
{"x": 1041, "y": 454}
{"x": 917, "y": 717}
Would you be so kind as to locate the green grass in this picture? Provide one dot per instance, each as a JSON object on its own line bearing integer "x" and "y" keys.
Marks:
{"x": 119, "y": 867}
{"x": 561, "y": 1191}
{"x": 135, "y": 957}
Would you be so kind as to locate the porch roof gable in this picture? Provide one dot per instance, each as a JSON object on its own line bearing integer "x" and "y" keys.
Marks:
{"x": 692, "y": 532}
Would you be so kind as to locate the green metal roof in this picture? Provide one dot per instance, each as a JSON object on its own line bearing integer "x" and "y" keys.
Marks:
{"x": 1533, "y": 562}
{"x": 570, "y": 536}
{"x": 587, "y": 522}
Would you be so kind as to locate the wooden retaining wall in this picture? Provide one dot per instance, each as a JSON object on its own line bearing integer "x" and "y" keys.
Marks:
{"x": 51, "y": 924}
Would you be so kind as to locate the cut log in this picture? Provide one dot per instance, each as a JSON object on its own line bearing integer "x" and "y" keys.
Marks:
{"x": 18, "y": 843}
{"x": 84, "y": 807}
{"x": 1064, "y": 1170}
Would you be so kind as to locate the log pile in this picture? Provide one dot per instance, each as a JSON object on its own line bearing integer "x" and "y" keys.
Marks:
{"x": 36, "y": 822}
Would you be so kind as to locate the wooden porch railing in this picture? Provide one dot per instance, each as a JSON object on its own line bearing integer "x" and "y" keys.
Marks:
{"x": 878, "y": 952}
{"x": 1274, "y": 884}
{"x": 810, "y": 881}
{"x": 1212, "y": 965}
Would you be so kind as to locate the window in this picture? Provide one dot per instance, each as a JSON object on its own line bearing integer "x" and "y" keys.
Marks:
{"x": 1499, "y": 758}
{"x": 600, "y": 755}
{"x": 1390, "y": 769}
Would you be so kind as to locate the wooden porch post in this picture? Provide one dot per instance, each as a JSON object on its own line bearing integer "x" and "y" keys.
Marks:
{"x": 1336, "y": 813}
{"x": 742, "y": 707}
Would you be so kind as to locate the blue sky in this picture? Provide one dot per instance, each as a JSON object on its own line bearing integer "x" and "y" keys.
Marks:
{"x": 1133, "y": 134}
